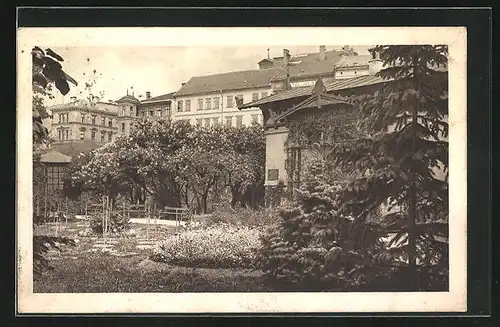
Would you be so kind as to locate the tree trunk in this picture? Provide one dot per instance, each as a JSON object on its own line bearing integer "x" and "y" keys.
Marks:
{"x": 412, "y": 214}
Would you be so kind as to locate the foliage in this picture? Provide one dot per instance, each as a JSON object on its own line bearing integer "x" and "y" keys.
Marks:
{"x": 224, "y": 213}
{"x": 217, "y": 246}
{"x": 176, "y": 164}
{"x": 399, "y": 166}
{"x": 338, "y": 235}
{"x": 46, "y": 71}
{"x": 101, "y": 273}
{"x": 41, "y": 245}
{"x": 116, "y": 223}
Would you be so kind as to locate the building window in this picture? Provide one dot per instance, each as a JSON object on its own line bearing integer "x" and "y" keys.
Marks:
{"x": 229, "y": 121}
{"x": 55, "y": 177}
{"x": 200, "y": 104}
{"x": 208, "y": 103}
{"x": 255, "y": 96}
{"x": 110, "y": 123}
{"x": 103, "y": 121}
{"x": 151, "y": 113}
{"x": 82, "y": 133}
{"x": 179, "y": 106}
{"x": 199, "y": 122}
{"x": 66, "y": 134}
{"x": 167, "y": 109}
{"x": 272, "y": 174}
{"x": 229, "y": 101}
{"x": 103, "y": 135}
{"x": 110, "y": 136}
{"x": 188, "y": 105}
{"x": 216, "y": 103}
{"x": 93, "y": 119}
{"x": 263, "y": 95}
{"x": 123, "y": 111}
{"x": 207, "y": 122}
{"x": 123, "y": 127}
{"x": 158, "y": 112}
{"x": 60, "y": 118}
{"x": 239, "y": 121}
{"x": 215, "y": 121}
{"x": 131, "y": 110}
{"x": 83, "y": 118}
{"x": 59, "y": 135}
{"x": 93, "y": 135}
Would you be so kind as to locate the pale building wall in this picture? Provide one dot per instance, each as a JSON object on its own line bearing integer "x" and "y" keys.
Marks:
{"x": 223, "y": 111}
{"x": 275, "y": 153}
{"x": 351, "y": 72}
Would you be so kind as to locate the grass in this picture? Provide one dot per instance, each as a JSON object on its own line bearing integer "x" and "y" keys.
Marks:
{"x": 102, "y": 273}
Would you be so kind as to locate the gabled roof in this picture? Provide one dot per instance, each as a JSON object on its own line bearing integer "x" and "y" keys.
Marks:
{"x": 341, "y": 84}
{"x": 54, "y": 157}
{"x": 353, "y": 61}
{"x": 159, "y": 98}
{"x": 227, "y": 82}
{"x": 128, "y": 99}
{"x": 319, "y": 98}
{"x": 306, "y": 65}
{"x": 73, "y": 149}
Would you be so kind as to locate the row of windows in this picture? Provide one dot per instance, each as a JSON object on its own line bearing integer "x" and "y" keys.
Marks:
{"x": 93, "y": 135}
{"x": 214, "y": 103}
{"x": 158, "y": 112}
{"x": 91, "y": 119}
{"x": 228, "y": 121}
{"x": 63, "y": 118}
{"x": 63, "y": 134}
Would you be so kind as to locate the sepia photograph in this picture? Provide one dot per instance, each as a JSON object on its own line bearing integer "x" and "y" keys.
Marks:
{"x": 278, "y": 170}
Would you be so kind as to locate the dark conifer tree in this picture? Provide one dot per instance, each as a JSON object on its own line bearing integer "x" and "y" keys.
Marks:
{"x": 404, "y": 163}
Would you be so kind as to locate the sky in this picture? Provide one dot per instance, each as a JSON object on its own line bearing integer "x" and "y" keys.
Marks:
{"x": 160, "y": 70}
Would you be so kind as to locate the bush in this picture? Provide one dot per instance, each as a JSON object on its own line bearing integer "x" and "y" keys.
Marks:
{"x": 241, "y": 216}
{"x": 117, "y": 223}
{"x": 216, "y": 246}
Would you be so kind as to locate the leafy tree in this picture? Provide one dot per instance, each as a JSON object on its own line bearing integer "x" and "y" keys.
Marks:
{"x": 399, "y": 166}
{"x": 47, "y": 71}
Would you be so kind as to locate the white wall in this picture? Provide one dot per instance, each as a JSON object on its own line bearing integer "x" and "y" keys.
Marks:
{"x": 275, "y": 153}
{"x": 350, "y": 73}
{"x": 223, "y": 111}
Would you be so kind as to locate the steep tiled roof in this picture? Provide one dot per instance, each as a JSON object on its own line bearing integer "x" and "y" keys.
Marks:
{"x": 307, "y": 64}
{"x": 54, "y": 157}
{"x": 167, "y": 96}
{"x": 352, "y": 61}
{"x": 73, "y": 149}
{"x": 128, "y": 99}
{"x": 306, "y": 90}
{"x": 227, "y": 81}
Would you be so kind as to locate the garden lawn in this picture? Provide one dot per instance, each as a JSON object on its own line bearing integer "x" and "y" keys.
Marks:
{"x": 102, "y": 273}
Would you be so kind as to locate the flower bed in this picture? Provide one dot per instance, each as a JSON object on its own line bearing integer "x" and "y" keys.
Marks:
{"x": 216, "y": 246}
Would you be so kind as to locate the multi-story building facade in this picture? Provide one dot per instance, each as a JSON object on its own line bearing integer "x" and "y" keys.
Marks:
{"x": 213, "y": 99}
{"x": 156, "y": 107}
{"x": 305, "y": 69}
{"x": 78, "y": 120}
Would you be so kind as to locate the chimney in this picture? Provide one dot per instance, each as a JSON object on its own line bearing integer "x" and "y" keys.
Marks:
{"x": 322, "y": 52}
{"x": 286, "y": 58}
{"x": 148, "y": 95}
